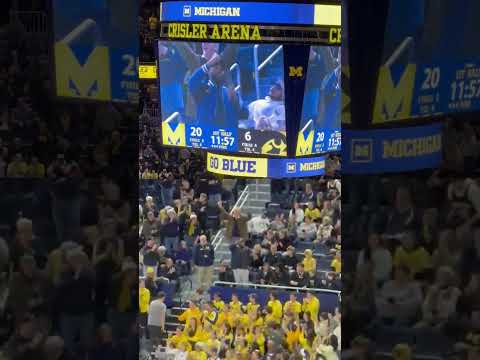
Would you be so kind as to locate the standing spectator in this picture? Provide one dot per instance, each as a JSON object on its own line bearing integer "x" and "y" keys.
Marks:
{"x": 236, "y": 223}
{"x": 240, "y": 261}
{"x": 171, "y": 231}
{"x": 75, "y": 301}
{"x": 203, "y": 257}
{"x": 156, "y": 318}
{"x": 144, "y": 303}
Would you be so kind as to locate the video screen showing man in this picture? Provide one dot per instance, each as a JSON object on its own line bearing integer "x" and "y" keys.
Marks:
{"x": 210, "y": 85}
{"x": 322, "y": 98}
{"x": 269, "y": 113}
{"x": 216, "y": 101}
{"x": 173, "y": 70}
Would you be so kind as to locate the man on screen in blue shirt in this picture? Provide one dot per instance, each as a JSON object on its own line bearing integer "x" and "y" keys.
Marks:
{"x": 216, "y": 103}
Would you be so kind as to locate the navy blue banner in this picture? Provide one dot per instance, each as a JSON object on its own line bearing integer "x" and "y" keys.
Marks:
{"x": 238, "y": 12}
{"x": 392, "y": 150}
{"x": 296, "y": 168}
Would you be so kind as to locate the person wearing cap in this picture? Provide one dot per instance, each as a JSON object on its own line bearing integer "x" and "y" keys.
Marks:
{"x": 269, "y": 113}
{"x": 203, "y": 258}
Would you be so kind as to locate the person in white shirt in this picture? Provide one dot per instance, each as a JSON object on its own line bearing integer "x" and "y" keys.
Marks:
{"x": 258, "y": 225}
{"x": 156, "y": 318}
{"x": 399, "y": 299}
{"x": 269, "y": 113}
{"x": 297, "y": 213}
{"x": 307, "y": 231}
{"x": 377, "y": 255}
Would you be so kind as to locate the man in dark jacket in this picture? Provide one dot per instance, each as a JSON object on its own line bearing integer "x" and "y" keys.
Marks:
{"x": 225, "y": 273}
{"x": 240, "y": 261}
{"x": 300, "y": 278}
{"x": 267, "y": 276}
{"x": 203, "y": 257}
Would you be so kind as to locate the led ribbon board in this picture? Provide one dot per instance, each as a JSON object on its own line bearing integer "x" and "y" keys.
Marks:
{"x": 265, "y": 168}
{"x": 392, "y": 150}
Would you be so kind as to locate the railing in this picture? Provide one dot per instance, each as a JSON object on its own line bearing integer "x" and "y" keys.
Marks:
{"x": 406, "y": 45}
{"x": 259, "y": 67}
{"x": 34, "y": 22}
{"x": 87, "y": 27}
{"x": 278, "y": 287}
{"x": 242, "y": 199}
{"x": 238, "y": 88}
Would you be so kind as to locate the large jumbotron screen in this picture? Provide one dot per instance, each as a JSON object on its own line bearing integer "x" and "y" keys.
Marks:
{"x": 241, "y": 88}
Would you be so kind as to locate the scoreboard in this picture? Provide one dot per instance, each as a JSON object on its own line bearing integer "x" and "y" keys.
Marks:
{"x": 96, "y": 49}
{"x": 431, "y": 60}
{"x": 254, "y": 78}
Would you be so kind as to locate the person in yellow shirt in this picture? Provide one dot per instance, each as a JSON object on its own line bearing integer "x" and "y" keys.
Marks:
{"x": 197, "y": 354}
{"x": 311, "y": 305}
{"x": 193, "y": 330}
{"x": 292, "y": 306}
{"x": 36, "y": 169}
{"x": 177, "y": 339}
{"x": 254, "y": 320}
{"x": 336, "y": 263}
{"x": 292, "y": 335}
{"x": 252, "y": 305}
{"x": 256, "y": 339}
{"x": 309, "y": 262}
{"x": 17, "y": 167}
{"x": 217, "y": 302}
{"x": 144, "y": 302}
{"x": 277, "y": 307}
{"x": 312, "y": 211}
{"x": 235, "y": 304}
{"x": 411, "y": 255}
{"x": 192, "y": 312}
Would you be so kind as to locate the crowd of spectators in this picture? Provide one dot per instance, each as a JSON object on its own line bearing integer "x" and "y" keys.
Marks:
{"x": 414, "y": 256}
{"x": 68, "y": 284}
{"x": 295, "y": 329}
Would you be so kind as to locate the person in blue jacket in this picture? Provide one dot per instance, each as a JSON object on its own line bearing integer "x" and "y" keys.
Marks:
{"x": 216, "y": 103}
{"x": 203, "y": 257}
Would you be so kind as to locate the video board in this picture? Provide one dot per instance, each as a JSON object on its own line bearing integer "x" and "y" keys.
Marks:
{"x": 96, "y": 49}
{"x": 230, "y": 81}
{"x": 431, "y": 60}
{"x": 320, "y": 124}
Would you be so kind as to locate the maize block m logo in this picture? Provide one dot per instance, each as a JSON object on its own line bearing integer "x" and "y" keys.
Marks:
{"x": 394, "y": 102}
{"x": 295, "y": 71}
{"x": 362, "y": 151}
{"x": 305, "y": 143}
{"x": 173, "y": 136}
{"x": 91, "y": 80}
